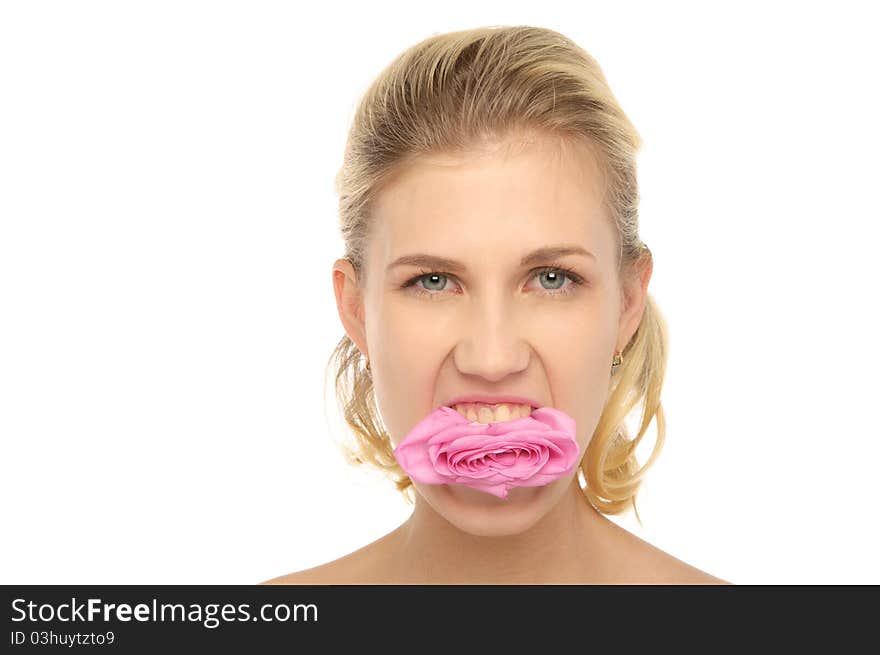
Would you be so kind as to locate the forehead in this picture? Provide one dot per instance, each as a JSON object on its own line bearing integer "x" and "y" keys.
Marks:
{"x": 512, "y": 196}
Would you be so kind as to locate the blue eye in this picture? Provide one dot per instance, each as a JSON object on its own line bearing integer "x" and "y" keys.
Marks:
{"x": 554, "y": 274}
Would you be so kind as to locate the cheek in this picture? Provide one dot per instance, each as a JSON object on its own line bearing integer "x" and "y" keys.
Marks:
{"x": 580, "y": 388}
{"x": 408, "y": 345}
{"x": 578, "y": 365}
{"x": 574, "y": 346}
{"x": 413, "y": 335}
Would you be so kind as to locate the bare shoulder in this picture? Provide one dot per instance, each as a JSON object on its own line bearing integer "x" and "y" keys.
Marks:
{"x": 345, "y": 570}
{"x": 359, "y": 567}
{"x": 317, "y": 575}
{"x": 677, "y": 572}
{"x": 651, "y": 565}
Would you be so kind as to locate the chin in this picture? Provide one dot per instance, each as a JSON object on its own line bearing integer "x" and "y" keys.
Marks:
{"x": 484, "y": 515}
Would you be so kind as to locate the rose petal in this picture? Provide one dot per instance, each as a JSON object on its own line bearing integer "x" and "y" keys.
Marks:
{"x": 446, "y": 448}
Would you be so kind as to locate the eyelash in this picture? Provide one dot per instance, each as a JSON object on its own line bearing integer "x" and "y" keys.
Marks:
{"x": 576, "y": 280}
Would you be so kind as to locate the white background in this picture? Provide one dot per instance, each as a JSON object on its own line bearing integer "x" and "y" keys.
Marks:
{"x": 168, "y": 225}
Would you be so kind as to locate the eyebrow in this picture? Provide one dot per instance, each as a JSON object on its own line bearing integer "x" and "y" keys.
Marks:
{"x": 547, "y": 253}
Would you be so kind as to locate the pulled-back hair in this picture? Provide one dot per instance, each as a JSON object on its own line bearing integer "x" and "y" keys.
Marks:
{"x": 448, "y": 94}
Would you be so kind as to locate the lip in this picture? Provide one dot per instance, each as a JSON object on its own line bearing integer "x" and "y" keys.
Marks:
{"x": 493, "y": 399}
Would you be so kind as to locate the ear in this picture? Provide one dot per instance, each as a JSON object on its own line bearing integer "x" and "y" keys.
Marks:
{"x": 635, "y": 296}
{"x": 349, "y": 303}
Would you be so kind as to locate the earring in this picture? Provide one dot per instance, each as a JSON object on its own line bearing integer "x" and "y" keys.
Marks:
{"x": 616, "y": 362}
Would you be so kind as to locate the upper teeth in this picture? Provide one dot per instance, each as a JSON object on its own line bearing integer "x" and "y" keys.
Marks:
{"x": 486, "y": 413}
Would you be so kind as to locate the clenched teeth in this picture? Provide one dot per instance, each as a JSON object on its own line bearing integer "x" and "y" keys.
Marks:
{"x": 485, "y": 413}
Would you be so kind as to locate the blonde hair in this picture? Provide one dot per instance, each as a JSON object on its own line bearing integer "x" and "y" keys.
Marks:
{"x": 449, "y": 93}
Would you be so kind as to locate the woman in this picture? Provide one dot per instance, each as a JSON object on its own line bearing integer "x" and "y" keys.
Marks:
{"x": 493, "y": 267}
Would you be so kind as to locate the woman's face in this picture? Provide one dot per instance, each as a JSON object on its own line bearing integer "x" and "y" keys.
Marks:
{"x": 494, "y": 322}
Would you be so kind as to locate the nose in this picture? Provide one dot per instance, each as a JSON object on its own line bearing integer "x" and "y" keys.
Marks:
{"x": 491, "y": 345}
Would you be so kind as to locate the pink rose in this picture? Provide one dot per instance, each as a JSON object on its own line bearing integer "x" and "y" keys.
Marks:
{"x": 446, "y": 448}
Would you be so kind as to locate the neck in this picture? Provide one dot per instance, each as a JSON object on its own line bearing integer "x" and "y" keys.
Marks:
{"x": 570, "y": 543}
